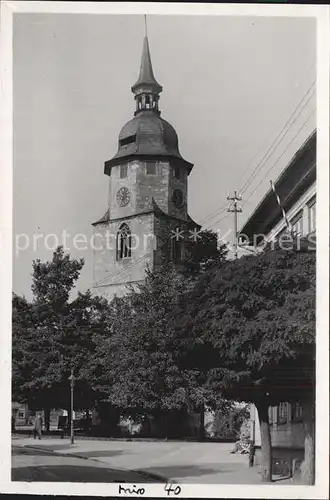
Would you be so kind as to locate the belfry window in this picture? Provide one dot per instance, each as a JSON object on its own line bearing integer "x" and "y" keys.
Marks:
{"x": 123, "y": 171}
{"x": 151, "y": 167}
{"x": 124, "y": 242}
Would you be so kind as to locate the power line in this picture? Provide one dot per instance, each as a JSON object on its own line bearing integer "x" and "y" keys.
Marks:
{"x": 239, "y": 198}
{"x": 281, "y": 156}
{"x": 277, "y": 141}
{"x": 213, "y": 214}
{"x": 219, "y": 220}
{"x": 311, "y": 66}
{"x": 270, "y": 151}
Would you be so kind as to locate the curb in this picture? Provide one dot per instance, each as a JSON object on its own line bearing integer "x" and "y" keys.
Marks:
{"x": 45, "y": 448}
{"x": 149, "y": 475}
{"x": 56, "y": 435}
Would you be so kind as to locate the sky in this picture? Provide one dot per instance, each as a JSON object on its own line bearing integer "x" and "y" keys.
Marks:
{"x": 231, "y": 87}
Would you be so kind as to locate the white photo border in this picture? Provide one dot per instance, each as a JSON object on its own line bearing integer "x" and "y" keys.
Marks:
{"x": 321, "y": 13}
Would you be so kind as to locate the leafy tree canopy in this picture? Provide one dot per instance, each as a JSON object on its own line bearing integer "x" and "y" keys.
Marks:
{"x": 139, "y": 357}
{"x": 250, "y": 326}
{"x": 51, "y": 335}
{"x": 203, "y": 252}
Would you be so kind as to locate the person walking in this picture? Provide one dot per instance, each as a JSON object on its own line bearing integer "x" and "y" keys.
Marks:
{"x": 37, "y": 431}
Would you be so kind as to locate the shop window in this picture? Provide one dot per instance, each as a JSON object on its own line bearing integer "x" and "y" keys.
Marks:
{"x": 283, "y": 411}
{"x": 296, "y": 412}
{"x": 270, "y": 415}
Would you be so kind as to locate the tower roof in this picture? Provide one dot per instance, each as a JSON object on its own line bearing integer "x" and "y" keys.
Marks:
{"x": 147, "y": 135}
{"x": 146, "y": 76}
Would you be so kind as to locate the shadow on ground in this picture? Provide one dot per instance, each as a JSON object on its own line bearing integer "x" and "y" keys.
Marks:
{"x": 31, "y": 452}
{"x": 52, "y": 447}
{"x": 188, "y": 470}
{"x": 97, "y": 453}
{"x": 47, "y": 451}
{"x": 77, "y": 474}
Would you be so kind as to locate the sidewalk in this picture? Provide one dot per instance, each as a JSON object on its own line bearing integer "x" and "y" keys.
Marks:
{"x": 179, "y": 462}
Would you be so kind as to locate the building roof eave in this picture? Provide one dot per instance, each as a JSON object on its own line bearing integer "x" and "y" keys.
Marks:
{"x": 117, "y": 160}
{"x": 296, "y": 177}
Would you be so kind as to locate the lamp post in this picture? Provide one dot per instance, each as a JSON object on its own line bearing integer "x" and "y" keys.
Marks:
{"x": 71, "y": 378}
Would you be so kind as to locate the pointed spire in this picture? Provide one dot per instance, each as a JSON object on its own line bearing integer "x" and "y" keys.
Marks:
{"x": 146, "y": 77}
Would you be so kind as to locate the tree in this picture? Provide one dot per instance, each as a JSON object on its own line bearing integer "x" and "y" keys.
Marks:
{"x": 52, "y": 334}
{"x": 138, "y": 364}
{"x": 250, "y": 327}
{"x": 22, "y": 329}
{"x": 138, "y": 356}
{"x": 229, "y": 424}
{"x": 53, "y": 281}
{"x": 203, "y": 253}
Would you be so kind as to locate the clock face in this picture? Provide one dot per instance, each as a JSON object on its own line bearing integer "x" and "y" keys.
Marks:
{"x": 123, "y": 196}
{"x": 177, "y": 198}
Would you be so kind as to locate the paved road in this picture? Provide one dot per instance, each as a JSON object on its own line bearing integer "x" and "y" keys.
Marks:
{"x": 180, "y": 462}
{"x": 43, "y": 465}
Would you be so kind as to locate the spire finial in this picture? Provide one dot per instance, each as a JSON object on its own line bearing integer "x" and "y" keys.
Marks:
{"x": 145, "y": 25}
{"x": 146, "y": 76}
{"x": 146, "y": 89}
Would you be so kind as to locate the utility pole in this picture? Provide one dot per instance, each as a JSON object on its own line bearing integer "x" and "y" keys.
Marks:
{"x": 71, "y": 378}
{"x": 235, "y": 209}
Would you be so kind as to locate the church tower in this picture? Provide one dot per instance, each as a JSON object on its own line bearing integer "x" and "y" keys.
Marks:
{"x": 146, "y": 222}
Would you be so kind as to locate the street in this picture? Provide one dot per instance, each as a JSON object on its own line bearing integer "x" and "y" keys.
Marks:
{"x": 129, "y": 461}
{"x": 42, "y": 465}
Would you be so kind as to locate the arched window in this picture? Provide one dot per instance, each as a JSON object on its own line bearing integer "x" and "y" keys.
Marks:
{"x": 124, "y": 240}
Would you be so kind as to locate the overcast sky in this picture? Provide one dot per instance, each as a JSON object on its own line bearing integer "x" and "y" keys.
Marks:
{"x": 229, "y": 86}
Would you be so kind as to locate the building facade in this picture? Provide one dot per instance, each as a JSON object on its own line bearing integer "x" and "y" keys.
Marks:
{"x": 296, "y": 188}
{"x": 146, "y": 221}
